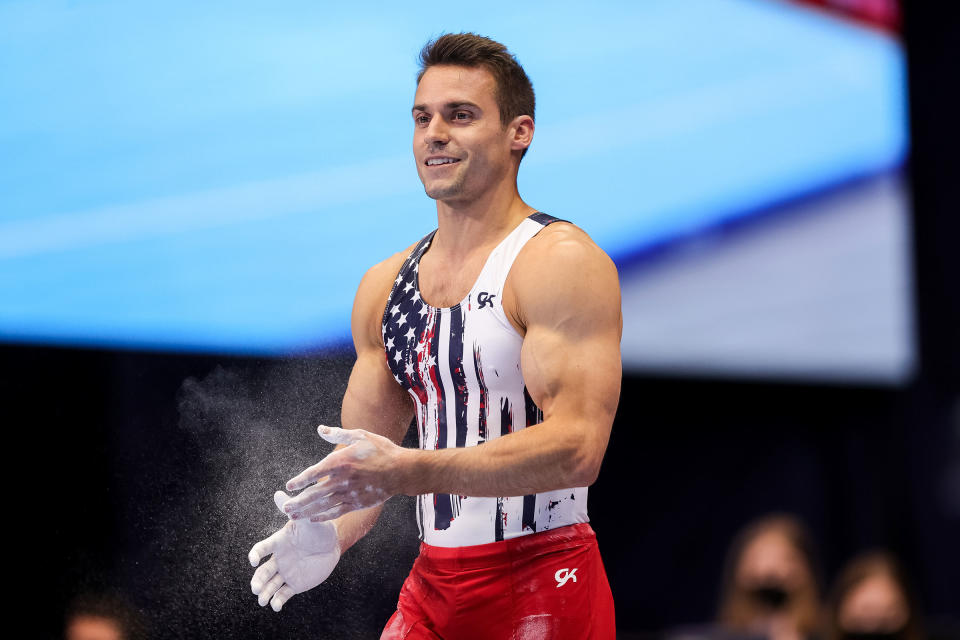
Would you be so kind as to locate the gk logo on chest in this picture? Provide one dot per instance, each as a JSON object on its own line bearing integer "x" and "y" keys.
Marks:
{"x": 485, "y": 298}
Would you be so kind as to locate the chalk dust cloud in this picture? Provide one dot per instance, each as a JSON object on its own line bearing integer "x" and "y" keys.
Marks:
{"x": 203, "y": 496}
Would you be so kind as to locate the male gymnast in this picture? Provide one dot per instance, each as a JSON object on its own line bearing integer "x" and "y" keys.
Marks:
{"x": 500, "y": 331}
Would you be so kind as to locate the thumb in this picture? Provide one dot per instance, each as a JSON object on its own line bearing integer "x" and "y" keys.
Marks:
{"x": 340, "y": 436}
{"x": 261, "y": 550}
{"x": 279, "y": 498}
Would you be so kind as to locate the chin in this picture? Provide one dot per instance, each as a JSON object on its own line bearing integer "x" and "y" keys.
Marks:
{"x": 443, "y": 191}
{"x": 439, "y": 194}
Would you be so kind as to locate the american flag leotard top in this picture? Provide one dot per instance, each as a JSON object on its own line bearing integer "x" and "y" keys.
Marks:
{"x": 462, "y": 366}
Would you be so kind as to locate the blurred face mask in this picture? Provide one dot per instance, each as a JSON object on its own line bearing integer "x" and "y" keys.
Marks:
{"x": 773, "y": 597}
{"x": 874, "y": 635}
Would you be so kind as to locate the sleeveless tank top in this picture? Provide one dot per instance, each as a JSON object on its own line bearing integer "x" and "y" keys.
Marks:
{"x": 461, "y": 365}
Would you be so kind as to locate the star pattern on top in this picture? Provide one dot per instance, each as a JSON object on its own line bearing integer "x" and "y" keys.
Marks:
{"x": 409, "y": 325}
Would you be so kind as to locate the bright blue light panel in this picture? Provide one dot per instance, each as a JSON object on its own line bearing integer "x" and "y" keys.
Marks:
{"x": 218, "y": 176}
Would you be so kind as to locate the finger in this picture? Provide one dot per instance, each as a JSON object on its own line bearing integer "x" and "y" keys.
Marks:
{"x": 279, "y": 498}
{"x": 325, "y": 504}
{"x": 280, "y": 599}
{"x": 273, "y": 585}
{"x": 311, "y": 494}
{"x": 262, "y": 549}
{"x": 313, "y": 473}
{"x": 262, "y": 576}
{"x": 354, "y": 498}
{"x": 335, "y": 512}
{"x": 337, "y": 435}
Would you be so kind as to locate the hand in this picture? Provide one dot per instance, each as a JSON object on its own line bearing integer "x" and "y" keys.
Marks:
{"x": 361, "y": 475}
{"x": 304, "y": 555}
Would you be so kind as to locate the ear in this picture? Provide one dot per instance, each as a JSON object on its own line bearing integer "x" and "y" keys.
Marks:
{"x": 522, "y": 133}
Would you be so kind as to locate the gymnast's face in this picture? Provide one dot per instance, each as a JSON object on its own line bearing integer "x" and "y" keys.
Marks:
{"x": 461, "y": 148}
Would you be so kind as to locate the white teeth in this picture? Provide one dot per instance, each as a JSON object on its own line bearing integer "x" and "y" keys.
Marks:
{"x": 435, "y": 161}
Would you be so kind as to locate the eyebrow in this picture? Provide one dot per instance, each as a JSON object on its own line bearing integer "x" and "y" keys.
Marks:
{"x": 449, "y": 106}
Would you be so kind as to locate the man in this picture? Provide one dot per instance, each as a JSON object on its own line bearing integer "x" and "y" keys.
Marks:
{"x": 500, "y": 331}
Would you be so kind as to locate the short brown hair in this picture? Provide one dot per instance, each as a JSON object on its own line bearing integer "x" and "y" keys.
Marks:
{"x": 514, "y": 92}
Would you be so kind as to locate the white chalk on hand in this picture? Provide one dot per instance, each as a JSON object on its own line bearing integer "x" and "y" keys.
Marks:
{"x": 280, "y": 499}
{"x": 337, "y": 435}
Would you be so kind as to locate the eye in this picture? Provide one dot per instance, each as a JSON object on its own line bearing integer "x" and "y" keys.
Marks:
{"x": 462, "y": 115}
{"x": 421, "y": 119}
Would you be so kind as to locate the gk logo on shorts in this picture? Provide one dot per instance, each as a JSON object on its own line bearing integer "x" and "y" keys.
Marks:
{"x": 562, "y": 575}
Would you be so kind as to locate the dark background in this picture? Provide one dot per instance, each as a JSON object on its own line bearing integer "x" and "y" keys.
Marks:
{"x": 151, "y": 473}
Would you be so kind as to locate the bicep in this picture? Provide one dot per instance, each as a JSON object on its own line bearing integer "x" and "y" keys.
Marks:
{"x": 571, "y": 350}
{"x": 374, "y": 401}
{"x": 574, "y": 376}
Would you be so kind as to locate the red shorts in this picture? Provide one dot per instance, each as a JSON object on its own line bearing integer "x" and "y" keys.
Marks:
{"x": 548, "y": 585}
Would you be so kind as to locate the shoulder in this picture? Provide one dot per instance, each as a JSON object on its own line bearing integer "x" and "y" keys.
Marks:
{"x": 380, "y": 277}
{"x": 562, "y": 249}
{"x": 372, "y": 295}
{"x": 559, "y": 264}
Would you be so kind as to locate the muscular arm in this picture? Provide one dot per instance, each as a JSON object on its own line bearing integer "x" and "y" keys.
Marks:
{"x": 302, "y": 555}
{"x": 373, "y": 400}
{"x": 566, "y": 296}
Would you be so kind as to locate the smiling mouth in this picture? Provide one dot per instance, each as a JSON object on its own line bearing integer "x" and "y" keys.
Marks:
{"x": 436, "y": 162}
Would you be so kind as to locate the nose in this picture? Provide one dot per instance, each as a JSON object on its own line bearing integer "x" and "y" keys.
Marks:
{"x": 437, "y": 134}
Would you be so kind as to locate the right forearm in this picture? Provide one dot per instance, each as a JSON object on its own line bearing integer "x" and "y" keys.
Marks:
{"x": 354, "y": 525}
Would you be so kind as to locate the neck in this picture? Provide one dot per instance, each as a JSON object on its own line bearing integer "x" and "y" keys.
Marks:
{"x": 466, "y": 226}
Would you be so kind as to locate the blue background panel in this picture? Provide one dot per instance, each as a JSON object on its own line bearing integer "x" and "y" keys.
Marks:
{"x": 218, "y": 176}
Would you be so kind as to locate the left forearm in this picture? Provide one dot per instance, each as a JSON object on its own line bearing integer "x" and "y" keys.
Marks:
{"x": 539, "y": 458}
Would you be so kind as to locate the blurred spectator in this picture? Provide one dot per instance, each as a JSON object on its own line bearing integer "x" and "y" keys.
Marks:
{"x": 102, "y": 617}
{"x": 770, "y": 586}
{"x": 870, "y": 599}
